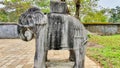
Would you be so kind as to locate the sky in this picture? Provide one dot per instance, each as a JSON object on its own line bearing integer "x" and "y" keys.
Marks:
{"x": 103, "y": 3}
{"x": 109, "y": 3}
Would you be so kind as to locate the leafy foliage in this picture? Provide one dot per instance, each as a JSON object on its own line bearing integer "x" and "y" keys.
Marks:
{"x": 44, "y": 5}
{"x": 3, "y": 16}
{"x": 115, "y": 15}
{"x": 13, "y": 10}
{"x": 87, "y": 12}
{"x": 95, "y": 17}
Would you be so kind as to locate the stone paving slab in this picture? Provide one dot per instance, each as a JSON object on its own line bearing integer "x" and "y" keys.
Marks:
{"x": 15, "y": 53}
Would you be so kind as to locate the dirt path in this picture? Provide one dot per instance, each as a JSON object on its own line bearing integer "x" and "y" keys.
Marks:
{"x": 15, "y": 53}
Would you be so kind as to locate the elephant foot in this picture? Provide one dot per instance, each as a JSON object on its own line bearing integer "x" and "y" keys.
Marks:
{"x": 77, "y": 66}
{"x": 41, "y": 67}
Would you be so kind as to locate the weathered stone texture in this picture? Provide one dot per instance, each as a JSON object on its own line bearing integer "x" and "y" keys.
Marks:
{"x": 8, "y": 31}
{"x": 103, "y": 29}
{"x": 64, "y": 31}
{"x": 58, "y": 7}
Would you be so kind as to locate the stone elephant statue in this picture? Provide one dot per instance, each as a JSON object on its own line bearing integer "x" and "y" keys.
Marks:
{"x": 53, "y": 31}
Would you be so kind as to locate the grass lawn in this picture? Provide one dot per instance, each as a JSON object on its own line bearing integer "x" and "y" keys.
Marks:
{"x": 109, "y": 54}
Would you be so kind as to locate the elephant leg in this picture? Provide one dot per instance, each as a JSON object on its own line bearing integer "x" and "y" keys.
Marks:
{"x": 40, "y": 54}
{"x": 72, "y": 55}
{"x": 79, "y": 58}
{"x": 39, "y": 60}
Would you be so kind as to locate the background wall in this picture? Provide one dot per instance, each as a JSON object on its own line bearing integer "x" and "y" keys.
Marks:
{"x": 8, "y": 31}
{"x": 103, "y": 29}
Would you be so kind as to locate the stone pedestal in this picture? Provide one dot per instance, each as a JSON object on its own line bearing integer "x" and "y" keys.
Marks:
{"x": 58, "y": 7}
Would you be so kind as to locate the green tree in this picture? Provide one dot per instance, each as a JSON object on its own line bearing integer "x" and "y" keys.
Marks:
{"x": 3, "y": 16}
{"x": 90, "y": 14}
{"x": 81, "y": 9}
{"x": 13, "y": 9}
{"x": 86, "y": 11}
{"x": 95, "y": 17}
{"x": 115, "y": 15}
{"x": 43, "y": 5}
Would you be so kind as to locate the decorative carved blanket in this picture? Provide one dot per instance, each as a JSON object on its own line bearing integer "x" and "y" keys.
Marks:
{"x": 64, "y": 32}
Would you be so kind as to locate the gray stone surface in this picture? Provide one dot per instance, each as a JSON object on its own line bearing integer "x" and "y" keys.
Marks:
{"x": 58, "y": 7}
{"x": 8, "y": 31}
{"x": 103, "y": 29}
{"x": 64, "y": 31}
{"x": 57, "y": 32}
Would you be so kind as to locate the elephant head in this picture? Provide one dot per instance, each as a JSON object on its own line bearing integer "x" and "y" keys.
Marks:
{"x": 27, "y": 23}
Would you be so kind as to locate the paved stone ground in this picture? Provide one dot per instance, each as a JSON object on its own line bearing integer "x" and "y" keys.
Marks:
{"x": 15, "y": 53}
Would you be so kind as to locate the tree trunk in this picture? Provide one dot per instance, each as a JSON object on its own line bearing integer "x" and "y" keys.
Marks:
{"x": 63, "y": 0}
{"x": 77, "y": 12}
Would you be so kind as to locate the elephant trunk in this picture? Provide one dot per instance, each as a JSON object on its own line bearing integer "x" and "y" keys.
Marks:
{"x": 25, "y": 34}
